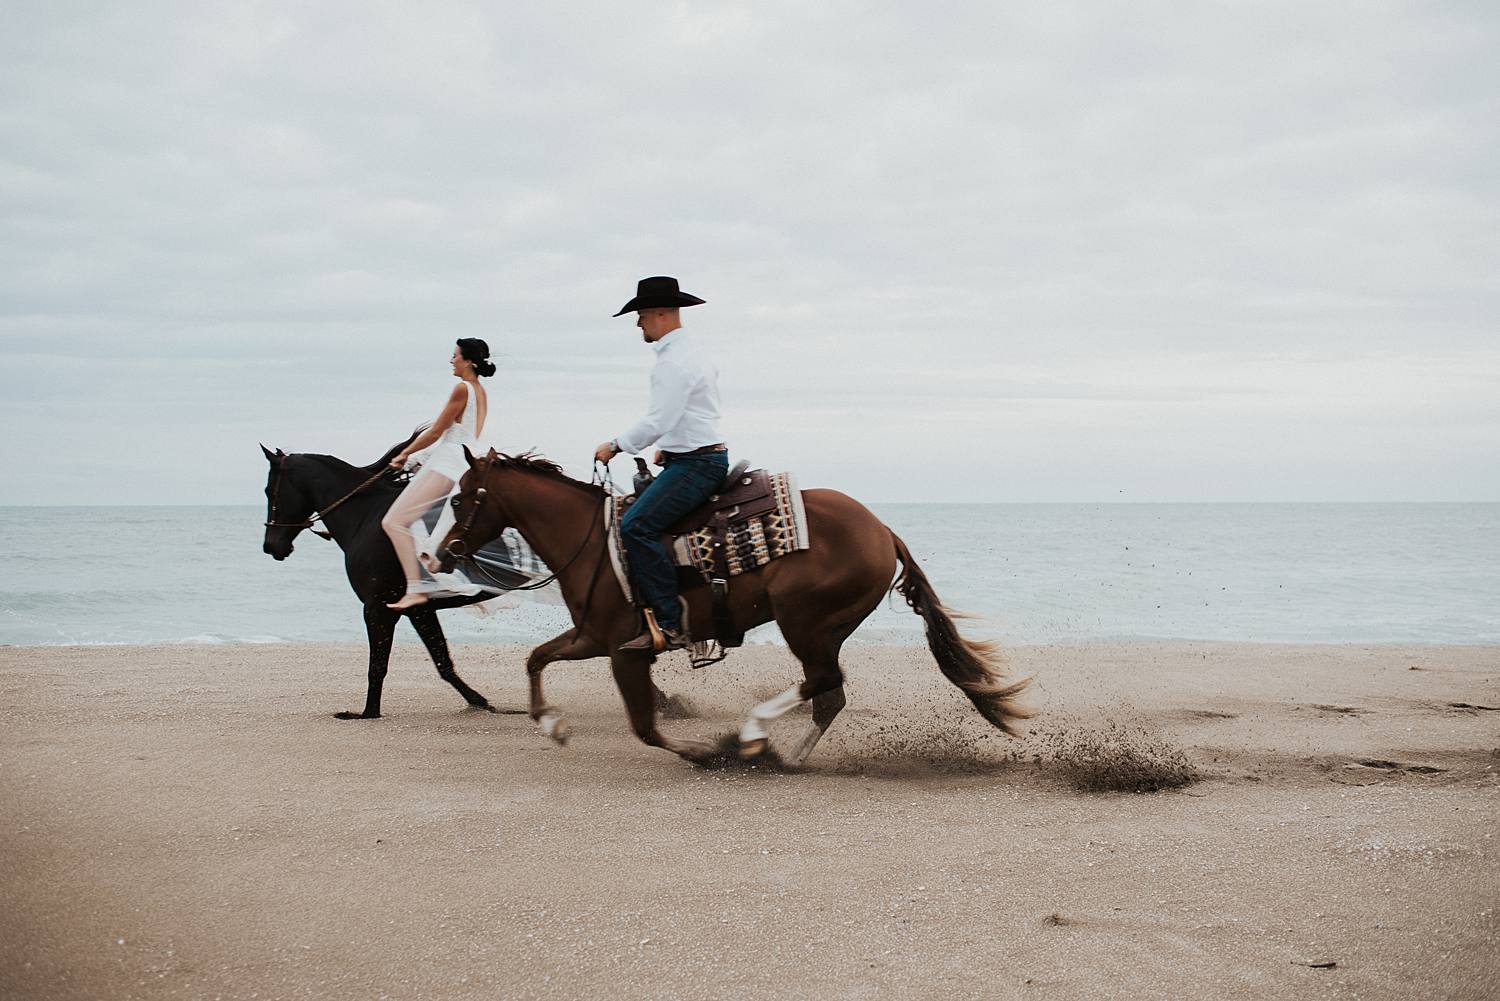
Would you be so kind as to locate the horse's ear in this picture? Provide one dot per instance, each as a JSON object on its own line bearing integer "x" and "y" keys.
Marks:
{"x": 468, "y": 457}
{"x": 493, "y": 455}
{"x": 269, "y": 456}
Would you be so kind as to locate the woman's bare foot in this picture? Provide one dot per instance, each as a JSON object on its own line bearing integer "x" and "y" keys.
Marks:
{"x": 409, "y": 601}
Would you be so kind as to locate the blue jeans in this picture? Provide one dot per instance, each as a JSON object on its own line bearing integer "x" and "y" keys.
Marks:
{"x": 685, "y": 483}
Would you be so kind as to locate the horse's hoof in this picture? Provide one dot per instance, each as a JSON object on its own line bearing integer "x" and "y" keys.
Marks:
{"x": 694, "y": 751}
{"x": 555, "y": 727}
{"x": 752, "y": 748}
{"x": 485, "y": 707}
{"x": 345, "y": 714}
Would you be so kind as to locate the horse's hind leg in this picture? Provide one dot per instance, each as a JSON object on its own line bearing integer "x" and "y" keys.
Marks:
{"x": 817, "y": 647}
{"x": 824, "y": 708}
{"x": 564, "y": 646}
{"x": 380, "y": 624}
{"x": 425, "y": 622}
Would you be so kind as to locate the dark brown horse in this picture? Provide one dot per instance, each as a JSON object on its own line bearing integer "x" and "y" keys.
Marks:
{"x": 817, "y": 597}
{"x": 352, "y": 500}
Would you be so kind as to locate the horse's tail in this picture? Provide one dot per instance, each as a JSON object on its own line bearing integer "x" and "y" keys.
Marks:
{"x": 973, "y": 665}
{"x": 395, "y": 450}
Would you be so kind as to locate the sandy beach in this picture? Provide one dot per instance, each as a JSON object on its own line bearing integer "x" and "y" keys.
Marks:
{"x": 191, "y": 822}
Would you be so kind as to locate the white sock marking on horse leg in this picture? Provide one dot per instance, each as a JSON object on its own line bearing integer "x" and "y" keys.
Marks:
{"x": 754, "y": 728}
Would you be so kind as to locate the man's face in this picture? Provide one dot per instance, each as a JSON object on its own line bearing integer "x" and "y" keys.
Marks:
{"x": 655, "y": 323}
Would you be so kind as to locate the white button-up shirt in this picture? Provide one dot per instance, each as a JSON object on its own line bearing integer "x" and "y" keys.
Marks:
{"x": 684, "y": 412}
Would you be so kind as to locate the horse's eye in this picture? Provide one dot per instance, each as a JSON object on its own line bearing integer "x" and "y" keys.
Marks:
{"x": 455, "y": 501}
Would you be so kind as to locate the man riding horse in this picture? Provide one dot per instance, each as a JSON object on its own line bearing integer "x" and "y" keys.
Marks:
{"x": 683, "y": 423}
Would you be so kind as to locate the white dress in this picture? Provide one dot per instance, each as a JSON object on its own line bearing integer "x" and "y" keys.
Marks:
{"x": 504, "y": 564}
{"x": 442, "y": 465}
{"x": 446, "y": 455}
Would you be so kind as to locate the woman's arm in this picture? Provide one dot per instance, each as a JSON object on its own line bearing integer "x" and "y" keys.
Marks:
{"x": 451, "y": 412}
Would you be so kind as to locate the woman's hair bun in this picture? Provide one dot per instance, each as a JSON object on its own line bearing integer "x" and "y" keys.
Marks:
{"x": 478, "y": 352}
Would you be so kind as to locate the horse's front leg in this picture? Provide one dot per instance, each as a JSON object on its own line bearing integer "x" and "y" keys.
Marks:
{"x": 632, "y": 672}
{"x": 425, "y": 622}
{"x": 564, "y": 646}
{"x": 380, "y": 626}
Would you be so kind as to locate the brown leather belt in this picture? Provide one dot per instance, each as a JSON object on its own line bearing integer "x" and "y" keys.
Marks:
{"x": 721, "y": 447}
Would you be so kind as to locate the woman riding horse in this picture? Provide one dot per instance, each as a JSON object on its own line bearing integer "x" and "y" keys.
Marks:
{"x": 457, "y": 427}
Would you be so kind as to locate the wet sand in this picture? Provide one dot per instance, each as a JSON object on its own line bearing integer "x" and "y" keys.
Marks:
{"x": 191, "y": 822}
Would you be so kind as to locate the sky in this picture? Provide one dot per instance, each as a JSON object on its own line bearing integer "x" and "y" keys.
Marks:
{"x": 951, "y": 252}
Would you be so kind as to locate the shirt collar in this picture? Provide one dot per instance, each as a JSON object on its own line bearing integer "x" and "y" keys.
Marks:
{"x": 662, "y": 343}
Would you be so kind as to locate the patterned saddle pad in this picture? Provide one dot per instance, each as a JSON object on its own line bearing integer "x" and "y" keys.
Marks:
{"x": 765, "y": 520}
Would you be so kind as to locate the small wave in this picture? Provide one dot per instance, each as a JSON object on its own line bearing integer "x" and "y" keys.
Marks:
{"x": 201, "y": 639}
{"x": 78, "y": 643}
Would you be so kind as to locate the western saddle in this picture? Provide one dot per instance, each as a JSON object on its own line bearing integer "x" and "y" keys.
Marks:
{"x": 744, "y": 493}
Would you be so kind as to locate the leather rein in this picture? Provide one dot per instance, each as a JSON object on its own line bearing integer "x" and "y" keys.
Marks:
{"x": 316, "y": 516}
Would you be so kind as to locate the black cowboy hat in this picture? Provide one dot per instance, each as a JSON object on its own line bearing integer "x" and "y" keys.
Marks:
{"x": 655, "y": 293}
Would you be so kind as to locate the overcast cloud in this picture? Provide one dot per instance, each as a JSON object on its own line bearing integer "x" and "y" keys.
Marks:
{"x": 971, "y": 251}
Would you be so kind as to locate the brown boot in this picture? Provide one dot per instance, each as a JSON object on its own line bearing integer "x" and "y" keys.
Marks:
{"x": 656, "y": 639}
{"x": 670, "y": 640}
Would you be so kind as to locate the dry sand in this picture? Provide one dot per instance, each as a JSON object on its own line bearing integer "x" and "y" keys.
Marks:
{"x": 190, "y": 822}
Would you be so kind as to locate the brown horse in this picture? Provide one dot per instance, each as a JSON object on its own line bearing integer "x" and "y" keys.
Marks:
{"x": 817, "y": 597}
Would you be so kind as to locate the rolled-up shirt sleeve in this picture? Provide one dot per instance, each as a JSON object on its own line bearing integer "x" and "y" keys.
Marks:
{"x": 670, "y": 386}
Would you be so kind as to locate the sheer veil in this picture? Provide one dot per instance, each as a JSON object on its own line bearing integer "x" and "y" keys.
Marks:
{"x": 500, "y": 569}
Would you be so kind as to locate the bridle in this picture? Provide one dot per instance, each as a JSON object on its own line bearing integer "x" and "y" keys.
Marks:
{"x": 316, "y": 516}
{"x": 461, "y": 539}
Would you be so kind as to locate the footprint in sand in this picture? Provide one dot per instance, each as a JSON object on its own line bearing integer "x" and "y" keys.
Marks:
{"x": 1396, "y": 766}
{"x": 1470, "y": 708}
{"x": 1384, "y": 768}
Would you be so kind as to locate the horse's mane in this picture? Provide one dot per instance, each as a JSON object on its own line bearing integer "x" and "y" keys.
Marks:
{"x": 532, "y": 462}
{"x": 390, "y": 453}
{"x": 343, "y": 470}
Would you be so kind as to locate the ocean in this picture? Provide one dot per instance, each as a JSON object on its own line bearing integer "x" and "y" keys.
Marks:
{"x": 1030, "y": 573}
